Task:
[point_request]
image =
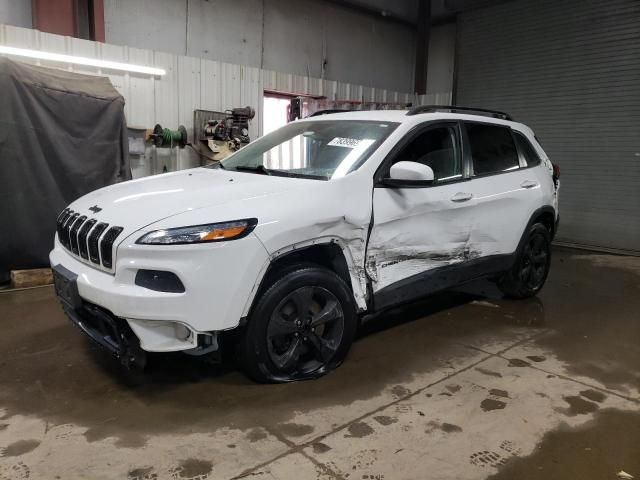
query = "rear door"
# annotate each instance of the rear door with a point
(505, 190)
(416, 231)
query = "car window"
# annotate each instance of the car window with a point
(492, 148)
(530, 155)
(322, 149)
(436, 148)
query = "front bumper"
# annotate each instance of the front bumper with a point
(111, 333)
(219, 280)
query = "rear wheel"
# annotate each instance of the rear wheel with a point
(301, 327)
(530, 270)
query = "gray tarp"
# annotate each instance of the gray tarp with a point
(62, 135)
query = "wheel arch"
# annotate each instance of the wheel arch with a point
(331, 253)
(546, 216)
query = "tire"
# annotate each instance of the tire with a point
(300, 327)
(531, 267)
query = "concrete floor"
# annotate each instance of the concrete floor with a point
(460, 386)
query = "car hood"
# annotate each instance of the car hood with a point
(138, 203)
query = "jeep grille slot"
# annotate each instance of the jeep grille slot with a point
(73, 233)
(67, 229)
(86, 238)
(94, 253)
(106, 246)
(64, 237)
(60, 223)
(82, 238)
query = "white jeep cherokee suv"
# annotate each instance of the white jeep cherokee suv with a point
(293, 238)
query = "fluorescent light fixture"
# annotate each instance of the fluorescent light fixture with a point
(91, 62)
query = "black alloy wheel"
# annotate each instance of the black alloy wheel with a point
(301, 325)
(305, 330)
(531, 266)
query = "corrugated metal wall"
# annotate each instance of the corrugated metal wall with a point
(571, 70)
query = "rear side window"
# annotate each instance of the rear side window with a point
(528, 152)
(492, 148)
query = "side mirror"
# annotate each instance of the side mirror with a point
(409, 174)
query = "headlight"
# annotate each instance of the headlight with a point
(211, 232)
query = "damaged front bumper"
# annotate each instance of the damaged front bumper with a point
(109, 332)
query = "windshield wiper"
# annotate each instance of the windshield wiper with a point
(257, 169)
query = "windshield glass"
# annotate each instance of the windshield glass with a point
(312, 149)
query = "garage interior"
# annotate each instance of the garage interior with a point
(463, 384)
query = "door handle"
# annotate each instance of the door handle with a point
(529, 184)
(461, 197)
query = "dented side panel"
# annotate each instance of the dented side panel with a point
(326, 212)
(416, 230)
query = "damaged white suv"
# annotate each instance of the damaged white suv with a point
(292, 239)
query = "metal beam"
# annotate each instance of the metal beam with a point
(422, 46)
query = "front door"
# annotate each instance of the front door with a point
(417, 231)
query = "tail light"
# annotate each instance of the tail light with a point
(556, 173)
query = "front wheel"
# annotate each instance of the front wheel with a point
(301, 327)
(530, 270)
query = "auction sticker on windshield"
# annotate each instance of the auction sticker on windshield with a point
(345, 142)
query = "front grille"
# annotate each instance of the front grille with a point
(86, 238)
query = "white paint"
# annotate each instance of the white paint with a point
(410, 171)
(414, 230)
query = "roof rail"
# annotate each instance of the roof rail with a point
(455, 108)
(327, 112)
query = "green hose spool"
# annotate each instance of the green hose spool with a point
(165, 137)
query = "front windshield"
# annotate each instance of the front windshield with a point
(312, 149)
